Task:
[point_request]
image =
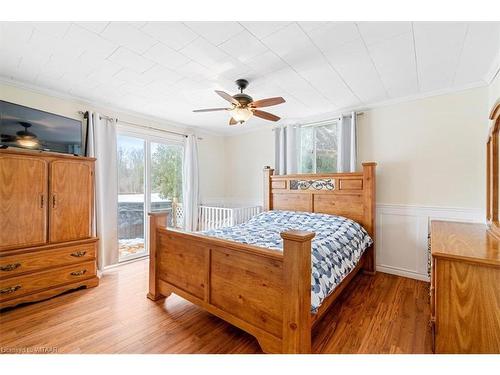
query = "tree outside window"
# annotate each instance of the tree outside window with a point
(166, 171)
(318, 149)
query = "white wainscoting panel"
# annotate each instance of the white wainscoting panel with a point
(402, 232)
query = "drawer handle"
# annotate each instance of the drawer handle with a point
(78, 254)
(10, 289)
(78, 273)
(10, 267)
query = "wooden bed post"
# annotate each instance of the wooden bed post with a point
(297, 291)
(369, 191)
(156, 220)
(268, 172)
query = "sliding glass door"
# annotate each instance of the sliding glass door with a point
(166, 181)
(149, 179)
(131, 203)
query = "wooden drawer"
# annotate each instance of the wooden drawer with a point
(13, 265)
(17, 286)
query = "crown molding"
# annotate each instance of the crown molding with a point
(430, 94)
(493, 71)
(249, 130)
(163, 123)
(366, 107)
(169, 125)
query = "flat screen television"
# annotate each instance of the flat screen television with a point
(33, 129)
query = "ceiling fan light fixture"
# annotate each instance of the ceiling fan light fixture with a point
(25, 138)
(28, 142)
(244, 107)
(241, 114)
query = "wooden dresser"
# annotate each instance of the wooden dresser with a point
(465, 288)
(46, 212)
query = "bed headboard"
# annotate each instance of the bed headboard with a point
(345, 194)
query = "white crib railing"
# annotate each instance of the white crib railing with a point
(243, 214)
(211, 217)
(214, 217)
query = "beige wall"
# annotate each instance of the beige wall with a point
(430, 152)
(212, 167)
(246, 156)
(211, 148)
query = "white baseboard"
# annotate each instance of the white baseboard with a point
(402, 231)
(402, 272)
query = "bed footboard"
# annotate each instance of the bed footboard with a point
(266, 293)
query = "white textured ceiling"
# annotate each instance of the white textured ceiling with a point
(167, 69)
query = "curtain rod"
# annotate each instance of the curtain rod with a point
(140, 126)
(328, 120)
(151, 128)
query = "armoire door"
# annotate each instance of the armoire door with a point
(70, 200)
(23, 201)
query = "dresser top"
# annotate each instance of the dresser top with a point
(44, 154)
(467, 241)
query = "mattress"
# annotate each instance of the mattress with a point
(336, 249)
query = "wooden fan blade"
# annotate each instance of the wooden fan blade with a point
(266, 115)
(232, 121)
(267, 102)
(211, 109)
(228, 97)
(8, 138)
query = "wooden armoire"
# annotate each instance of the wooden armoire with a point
(46, 212)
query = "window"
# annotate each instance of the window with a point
(149, 179)
(318, 148)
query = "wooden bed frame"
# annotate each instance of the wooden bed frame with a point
(265, 292)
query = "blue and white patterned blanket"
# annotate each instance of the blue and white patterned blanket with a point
(336, 248)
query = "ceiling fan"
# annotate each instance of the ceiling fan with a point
(23, 137)
(243, 106)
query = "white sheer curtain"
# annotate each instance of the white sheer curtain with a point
(286, 139)
(101, 144)
(190, 187)
(347, 143)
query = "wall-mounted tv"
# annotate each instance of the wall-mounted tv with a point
(30, 128)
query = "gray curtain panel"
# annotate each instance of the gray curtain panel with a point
(347, 143)
(190, 187)
(101, 144)
(286, 140)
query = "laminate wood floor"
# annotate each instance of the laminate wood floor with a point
(375, 314)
